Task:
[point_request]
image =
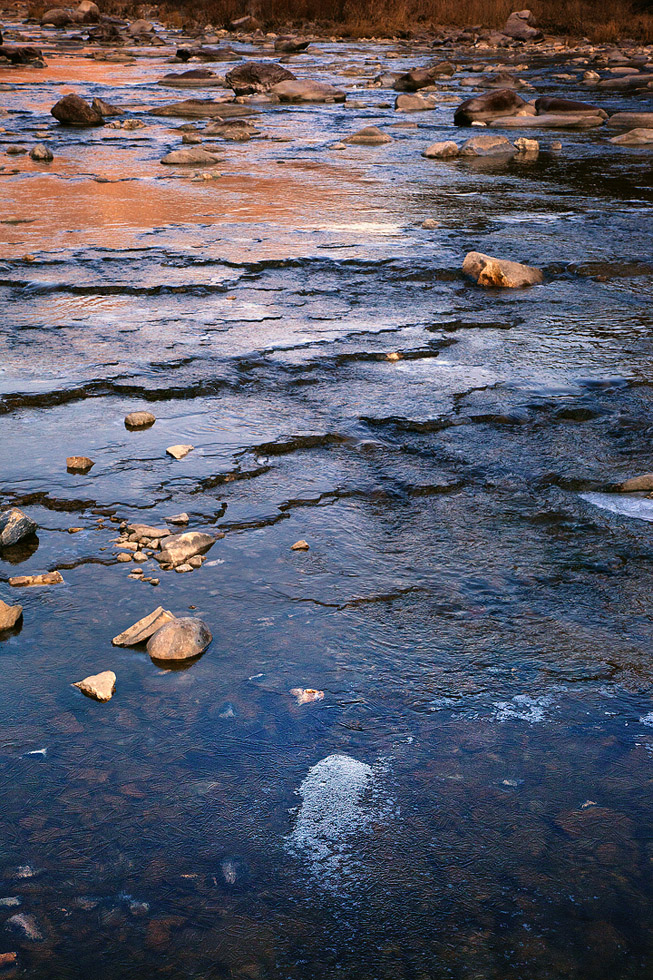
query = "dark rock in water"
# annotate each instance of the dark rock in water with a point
(203, 53)
(195, 78)
(106, 34)
(105, 108)
(257, 76)
(72, 110)
(480, 108)
(551, 104)
(41, 153)
(9, 615)
(14, 527)
(521, 26)
(138, 27)
(290, 45)
(305, 90)
(182, 639)
(419, 78)
(203, 109)
(19, 54)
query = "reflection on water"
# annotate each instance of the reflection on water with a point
(471, 797)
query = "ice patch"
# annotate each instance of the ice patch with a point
(638, 507)
(647, 719)
(339, 803)
(523, 707)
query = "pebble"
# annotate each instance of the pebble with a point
(300, 545)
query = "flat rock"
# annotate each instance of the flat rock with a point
(636, 137)
(487, 145)
(148, 531)
(195, 78)
(644, 482)
(79, 464)
(202, 109)
(139, 420)
(72, 110)
(441, 151)
(9, 615)
(491, 105)
(417, 78)
(307, 91)
(45, 578)
(178, 519)
(180, 547)
(99, 686)
(15, 526)
(631, 120)
(641, 80)
(144, 628)
(414, 103)
(179, 451)
(182, 639)
(562, 120)
(369, 136)
(549, 104)
(190, 156)
(489, 271)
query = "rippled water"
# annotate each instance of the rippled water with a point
(471, 799)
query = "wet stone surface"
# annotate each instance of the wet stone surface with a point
(458, 785)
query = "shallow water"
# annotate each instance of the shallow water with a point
(471, 799)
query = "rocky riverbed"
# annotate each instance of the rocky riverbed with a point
(324, 582)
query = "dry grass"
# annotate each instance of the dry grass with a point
(600, 20)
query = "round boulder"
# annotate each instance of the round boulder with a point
(181, 639)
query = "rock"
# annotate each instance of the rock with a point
(194, 156)
(520, 26)
(180, 547)
(74, 111)
(178, 519)
(202, 109)
(9, 615)
(636, 483)
(307, 91)
(305, 695)
(139, 420)
(15, 526)
(58, 17)
(123, 557)
(182, 639)
(441, 151)
(41, 153)
(549, 105)
(195, 78)
(186, 567)
(79, 464)
(419, 78)
(26, 925)
(369, 136)
(8, 961)
(141, 26)
(15, 150)
(414, 103)
(179, 451)
(487, 145)
(636, 137)
(146, 531)
(290, 45)
(144, 628)
(491, 105)
(489, 271)
(638, 81)
(247, 23)
(527, 148)
(562, 120)
(556, 146)
(105, 108)
(208, 54)
(46, 578)
(257, 76)
(631, 120)
(89, 11)
(429, 224)
(234, 129)
(300, 545)
(98, 686)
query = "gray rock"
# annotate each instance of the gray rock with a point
(636, 137)
(178, 548)
(182, 639)
(487, 145)
(369, 136)
(41, 153)
(14, 527)
(9, 615)
(441, 151)
(192, 156)
(202, 109)
(414, 103)
(637, 483)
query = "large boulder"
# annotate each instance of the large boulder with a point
(549, 104)
(307, 91)
(89, 11)
(20, 54)
(491, 105)
(290, 45)
(637, 483)
(641, 80)
(205, 53)
(488, 145)
(59, 17)
(550, 120)
(72, 110)
(182, 639)
(15, 527)
(521, 26)
(257, 76)
(178, 548)
(488, 271)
